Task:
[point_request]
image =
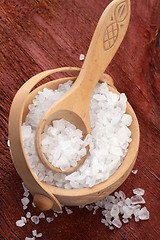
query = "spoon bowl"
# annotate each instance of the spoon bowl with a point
(71, 117)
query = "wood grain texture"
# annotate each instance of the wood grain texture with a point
(39, 35)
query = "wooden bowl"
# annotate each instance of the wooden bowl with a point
(45, 195)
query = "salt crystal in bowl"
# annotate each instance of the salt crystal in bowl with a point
(45, 195)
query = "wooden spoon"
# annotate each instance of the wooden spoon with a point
(74, 104)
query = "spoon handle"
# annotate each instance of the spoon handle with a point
(107, 38)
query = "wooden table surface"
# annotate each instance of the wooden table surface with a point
(36, 35)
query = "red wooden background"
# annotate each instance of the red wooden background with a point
(37, 35)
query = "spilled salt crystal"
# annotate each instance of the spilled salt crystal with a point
(134, 171)
(115, 210)
(25, 201)
(117, 223)
(26, 194)
(81, 57)
(89, 207)
(24, 187)
(49, 219)
(28, 215)
(24, 219)
(34, 232)
(33, 205)
(8, 143)
(39, 235)
(20, 223)
(69, 211)
(35, 219)
(41, 215)
(137, 199)
(138, 191)
(144, 214)
(125, 220)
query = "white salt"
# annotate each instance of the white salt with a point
(118, 206)
(134, 171)
(49, 219)
(26, 194)
(28, 215)
(108, 143)
(25, 201)
(81, 57)
(69, 211)
(138, 191)
(137, 199)
(24, 187)
(34, 232)
(20, 223)
(125, 220)
(144, 214)
(89, 207)
(39, 235)
(28, 238)
(33, 204)
(127, 211)
(115, 210)
(35, 219)
(8, 143)
(41, 215)
(117, 223)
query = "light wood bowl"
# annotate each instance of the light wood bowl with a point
(45, 195)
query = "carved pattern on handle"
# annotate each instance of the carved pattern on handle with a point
(112, 30)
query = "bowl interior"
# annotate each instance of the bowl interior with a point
(102, 189)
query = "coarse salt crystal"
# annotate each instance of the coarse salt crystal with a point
(26, 194)
(34, 232)
(81, 57)
(117, 223)
(69, 211)
(35, 219)
(25, 201)
(8, 143)
(49, 219)
(33, 204)
(138, 191)
(144, 214)
(115, 210)
(20, 223)
(125, 220)
(41, 215)
(137, 199)
(28, 215)
(134, 171)
(24, 187)
(39, 235)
